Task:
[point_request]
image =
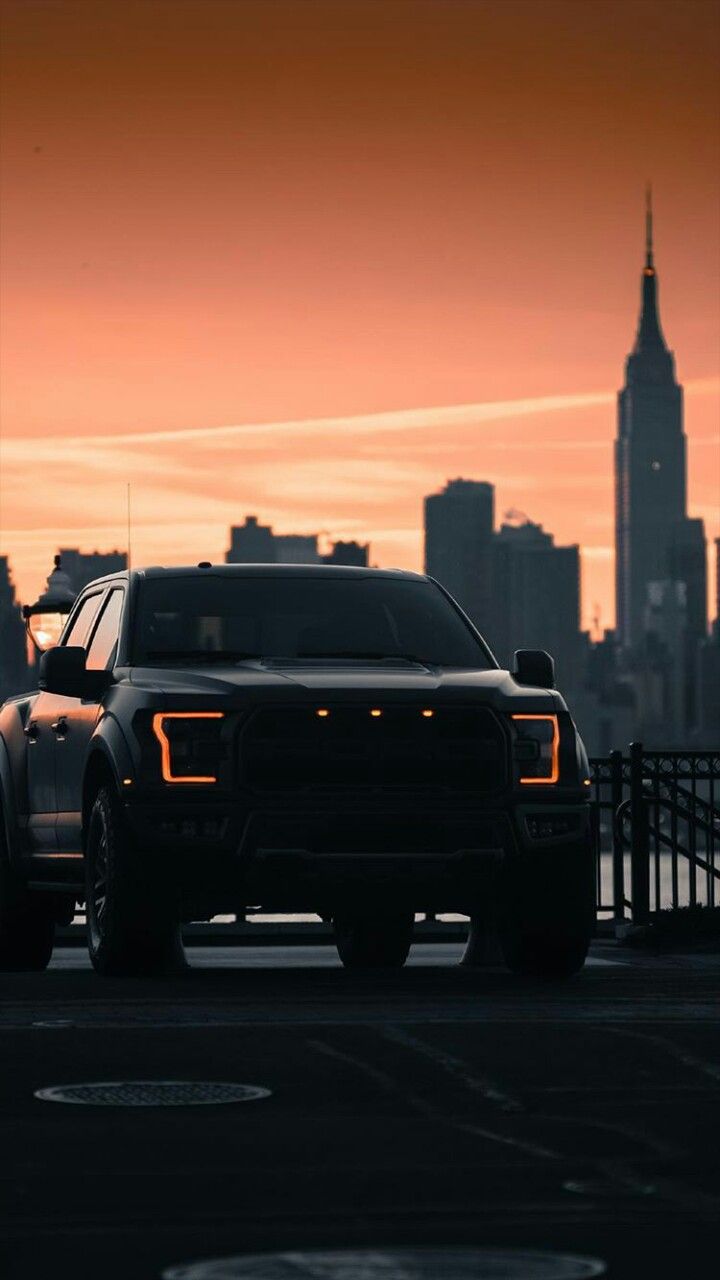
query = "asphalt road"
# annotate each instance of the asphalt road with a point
(435, 1107)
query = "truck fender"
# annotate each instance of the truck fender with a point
(108, 754)
(8, 808)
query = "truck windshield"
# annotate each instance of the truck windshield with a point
(231, 618)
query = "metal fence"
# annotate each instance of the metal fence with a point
(656, 835)
(656, 825)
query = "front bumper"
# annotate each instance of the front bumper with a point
(437, 856)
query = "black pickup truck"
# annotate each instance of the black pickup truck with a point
(290, 738)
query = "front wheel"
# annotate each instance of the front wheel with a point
(550, 953)
(132, 925)
(27, 922)
(546, 911)
(373, 941)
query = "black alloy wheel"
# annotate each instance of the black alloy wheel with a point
(373, 940)
(552, 953)
(27, 920)
(132, 920)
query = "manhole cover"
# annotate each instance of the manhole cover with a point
(152, 1093)
(394, 1264)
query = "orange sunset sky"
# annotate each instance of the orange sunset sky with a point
(309, 260)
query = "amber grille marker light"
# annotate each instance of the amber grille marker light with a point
(555, 750)
(375, 712)
(428, 714)
(323, 713)
(158, 722)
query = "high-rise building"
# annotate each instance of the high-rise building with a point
(251, 543)
(660, 675)
(254, 543)
(13, 639)
(707, 717)
(536, 590)
(353, 553)
(458, 535)
(296, 548)
(652, 540)
(687, 563)
(82, 567)
(687, 566)
(605, 707)
(716, 622)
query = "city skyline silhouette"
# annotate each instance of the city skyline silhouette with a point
(226, 295)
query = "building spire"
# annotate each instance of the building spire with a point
(648, 227)
(649, 338)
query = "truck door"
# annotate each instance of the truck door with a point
(40, 751)
(41, 732)
(79, 717)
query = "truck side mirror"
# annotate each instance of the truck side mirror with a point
(534, 666)
(63, 670)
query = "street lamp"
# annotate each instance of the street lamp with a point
(45, 618)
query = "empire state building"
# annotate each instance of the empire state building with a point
(654, 540)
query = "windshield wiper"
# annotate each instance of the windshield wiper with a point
(372, 657)
(237, 655)
(200, 655)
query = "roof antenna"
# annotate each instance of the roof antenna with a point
(129, 530)
(648, 226)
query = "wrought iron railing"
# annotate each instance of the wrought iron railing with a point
(656, 836)
(656, 825)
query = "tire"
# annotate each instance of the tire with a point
(373, 942)
(482, 949)
(133, 926)
(27, 921)
(551, 954)
(546, 911)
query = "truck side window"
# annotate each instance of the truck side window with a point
(104, 641)
(83, 620)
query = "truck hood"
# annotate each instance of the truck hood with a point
(265, 682)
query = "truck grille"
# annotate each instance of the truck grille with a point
(296, 749)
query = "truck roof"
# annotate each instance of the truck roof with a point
(259, 571)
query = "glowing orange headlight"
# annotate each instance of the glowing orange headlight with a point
(545, 731)
(158, 724)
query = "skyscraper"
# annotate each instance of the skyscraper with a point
(297, 548)
(251, 543)
(82, 567)
(355, 553)
(687, 562)
(708, 681)
(650, 467)
(13, 644)
(537, 598)
(458, 536)
(716, 625)
(254, 543)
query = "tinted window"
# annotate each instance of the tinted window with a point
(104, 640)
(81, 624)
(296, 617)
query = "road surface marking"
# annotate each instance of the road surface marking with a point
(687, 1059)
(455, 1067)
(426, 1108)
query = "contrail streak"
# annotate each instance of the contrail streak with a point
(422, 419)
(362, 423)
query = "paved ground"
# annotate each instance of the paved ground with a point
(433, 1107)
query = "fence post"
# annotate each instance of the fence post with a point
(640, 837)
(618, 863)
